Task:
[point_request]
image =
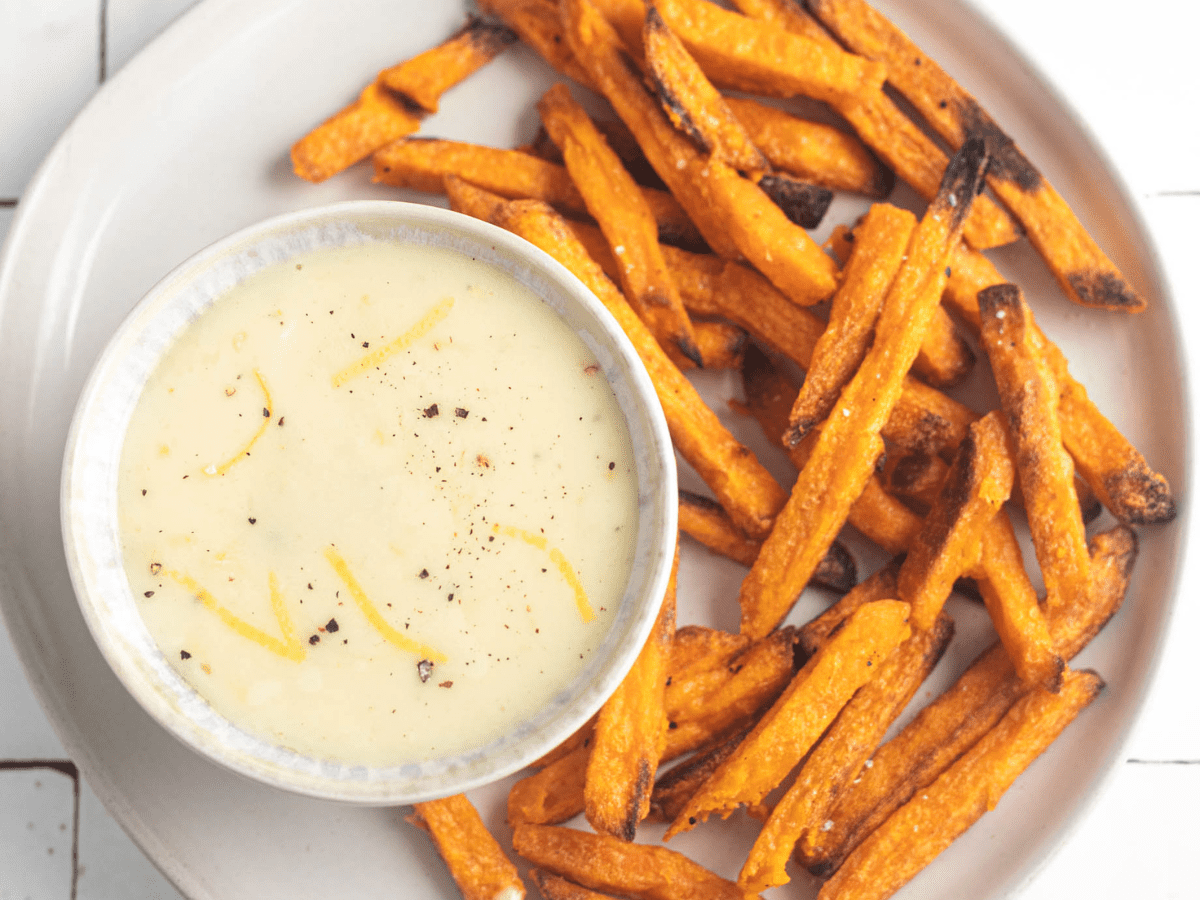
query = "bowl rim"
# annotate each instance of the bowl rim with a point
(242, 752)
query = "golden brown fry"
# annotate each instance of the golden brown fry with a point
(930, 821)
(721, 346)
(552, 887)
(1086, 275)
(1013, 606)
(881, 585)
(849, 444)
(422, 164)
(744, 488)
(673, 790)
(812, 151)
(628, 740)
(879, 245)
(948, 545)
(605, 863)
(1028, 394)
(376, 118)
(554, 793)
(915, 478)
(955, 720)
(1113, 468)
(423, 79)
(619, 206)
(478, 865)
(843, 750)
(693, 105)
(797, 719)
(697, 650)
(891, 134)
(733, 214)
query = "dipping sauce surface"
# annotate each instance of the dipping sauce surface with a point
(378, 503)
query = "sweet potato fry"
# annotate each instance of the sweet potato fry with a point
(879, 245)
(849, 445)
(721, 345)
(625, 218)
(743, 487)
(421, 164)
(733, 214)
(605, 863)
(891, 134)
(797, 719)
(812, 151)
(955, 720)
(552, 887)
(881, 585)
(1013, 606)
(628, 740)
(930, 821)
(949, 543)
(693, 105)
(376, 118)
(479, 866)
(1086, 275)
(848, 743)
(915, 478)
(554, 793)
(537, 24)
(423, 79)
(673, 790)
(705, 521)
(769, 396)
(1113, 468)
(1028, 395)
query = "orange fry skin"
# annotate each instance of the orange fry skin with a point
(797, 719)
(1085, 274)
(376, 118)
(842, 751)
(930, 821)
(619, 206)
(537, 24)
(629, 736)
(849, 444)
(476, 861)
(1028, 394)
(423, 79)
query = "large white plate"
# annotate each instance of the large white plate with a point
(188, 143)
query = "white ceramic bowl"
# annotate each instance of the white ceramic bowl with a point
(93, 543)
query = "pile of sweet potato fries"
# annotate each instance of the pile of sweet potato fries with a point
(687, 212)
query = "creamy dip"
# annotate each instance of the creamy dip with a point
(378, 503)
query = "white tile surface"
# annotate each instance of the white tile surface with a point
(1130, 74)
(49, 62)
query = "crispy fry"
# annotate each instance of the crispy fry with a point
(697, 650)
(618, 204)
(769, 396)
(849, 445)
(479, 866)
(743, 487)
(812, 151)
(605, 863)
(915, 478)
(537, 23)
(1113, 468)
(554, 793)
(948, 545)
(628, 740)
(619, 138)
(848, 743)
(673, 790)
(705, 521)
(693, 105)
(881, 585)
(552, 887)
(422, 164)
(892, 135)
(956, 719)
(1013, 606)
(1086, 275)
(722, 345)
(423, 79)
(733, 214)
(930, 821)
(879, 246)
(797, 719)
(376, 118)
(1028, 395)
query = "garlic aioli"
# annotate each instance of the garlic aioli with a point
(378, 503)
